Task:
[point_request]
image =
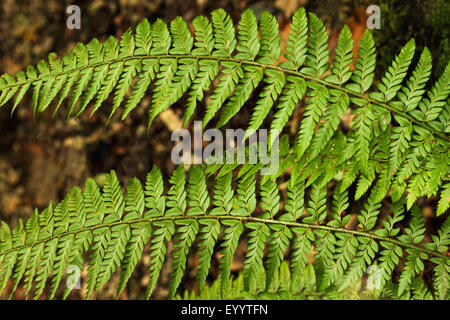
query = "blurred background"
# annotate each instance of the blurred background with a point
(41, 159)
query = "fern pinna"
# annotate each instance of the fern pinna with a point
(397, 147)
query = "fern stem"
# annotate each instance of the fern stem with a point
(239, 218)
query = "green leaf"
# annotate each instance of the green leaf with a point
(316, 62)
(393, 78)
(342, 58)
(275, 82)
(184, 239)
(224, 34)
(248, 42)
(315, 106)
(365, 64)
(297, 40)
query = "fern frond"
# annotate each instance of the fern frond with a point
(35, 252)
(118, 239)
(99, 69)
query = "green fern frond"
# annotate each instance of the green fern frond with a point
(118, 63)
(113, 229)
(179, 63)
